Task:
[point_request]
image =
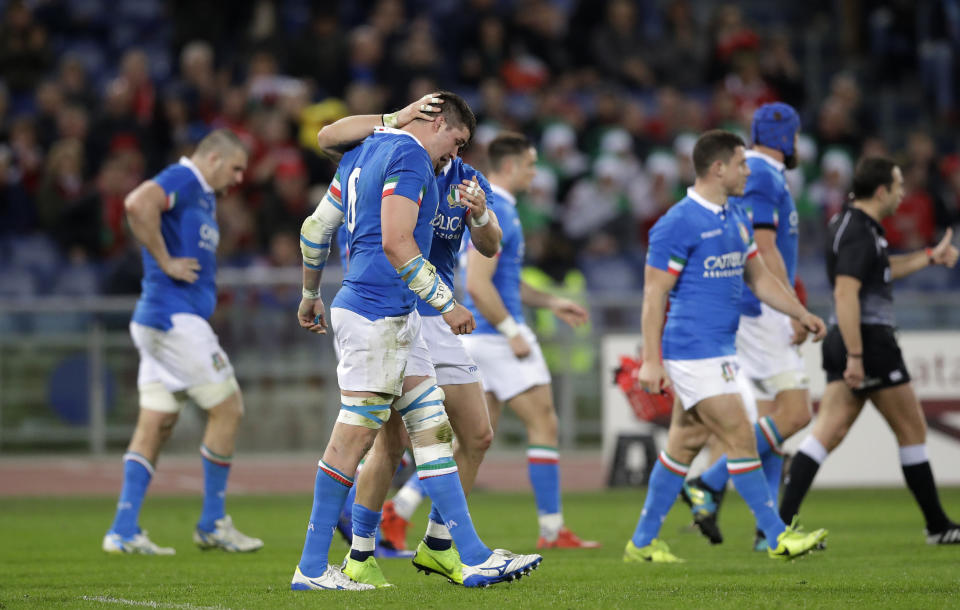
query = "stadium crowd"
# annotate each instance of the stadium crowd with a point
(97, 96)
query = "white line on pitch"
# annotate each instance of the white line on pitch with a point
(146, 604)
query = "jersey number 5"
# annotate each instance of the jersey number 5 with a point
(350, 198)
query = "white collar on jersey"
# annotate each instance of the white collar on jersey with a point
(716, 209)
(502, 192)
(399, 132)
(777, 165)
(446, 168)
(186, 162)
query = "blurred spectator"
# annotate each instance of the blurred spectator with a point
(27, 153)
(17, 214)
(24, 52)
(64, 210)
(73, 81)
(782, 70)
(320, 52)
(832, 191)
(681, 51)
(914, 224)
(729, 36)
(619, 52)
(49, 97)
(486, 50)
(286, 204)
(198, 81)
(135, 73)
(598, 202)
(117, 128)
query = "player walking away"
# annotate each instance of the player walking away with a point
(462, 199)
(389, 198)
(767, 340)
(860, 354)
(174, 217)
(699, 251)
(511, 364)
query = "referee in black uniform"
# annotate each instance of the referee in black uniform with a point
(860, 353)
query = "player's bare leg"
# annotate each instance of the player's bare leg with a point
(535, 408)
(215, 528)
(467, 410)
(900, 407)
(151, 433)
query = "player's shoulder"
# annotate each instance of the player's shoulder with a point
(762, 174)
(176, 177)
(678, 220)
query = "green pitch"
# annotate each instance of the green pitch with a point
(50, 557)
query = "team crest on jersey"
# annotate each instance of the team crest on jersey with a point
(728, 370)
(744, 234)
(453, 197)
(218, 362)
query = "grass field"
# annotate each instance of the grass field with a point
(50, 557)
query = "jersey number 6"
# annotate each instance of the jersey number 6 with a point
(351, 198)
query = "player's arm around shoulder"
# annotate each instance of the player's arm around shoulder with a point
(340, 136)
(144, 206)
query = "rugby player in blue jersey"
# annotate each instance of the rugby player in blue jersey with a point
(767, 340)
(511, 363)
(174, 217)
(388, 200)
(462, 190)
(700, 253)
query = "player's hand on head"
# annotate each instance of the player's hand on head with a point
(472, 195)
(800, 332)
(945, 253)
(426, 108)
(182, 268)
(460, 320)
(519, 346)
(311, 316)
(814, 325)
(570, 312)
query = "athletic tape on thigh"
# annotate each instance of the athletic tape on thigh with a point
(422, 410)
(156, 397)
(209, 395)
(367, 411)
(788, 380)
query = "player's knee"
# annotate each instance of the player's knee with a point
(364, 411)
(476, 442)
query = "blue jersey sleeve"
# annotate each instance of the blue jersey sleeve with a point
(670, 244)
(173, 180)
(407, 174)
(759, 199)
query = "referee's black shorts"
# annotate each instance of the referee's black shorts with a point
(883, 364)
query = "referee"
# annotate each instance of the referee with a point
(860, 353)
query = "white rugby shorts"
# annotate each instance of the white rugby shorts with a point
(695, 380)
(375, 355)
(500, 370)
(769, 360)
(187, 357)
(453, 364)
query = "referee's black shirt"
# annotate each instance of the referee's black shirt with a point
(857, 248)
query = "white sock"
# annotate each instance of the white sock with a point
(912, 455)
(436, 530)
(364, 545)
(550, 525)
(406, 502)
(812, 447)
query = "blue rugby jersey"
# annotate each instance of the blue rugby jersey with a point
(389, 162)
(768, 204)
(506, 278)
(706, 246)
(450, 222)
(189, 228)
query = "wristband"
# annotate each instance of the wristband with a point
(481, 220)
(389, 120)
(929, 253)
(508, 327)
(311, 294)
